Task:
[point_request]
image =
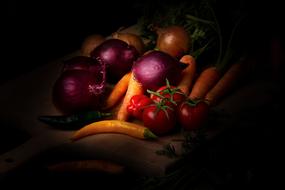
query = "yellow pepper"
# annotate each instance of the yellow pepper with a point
(114, 126)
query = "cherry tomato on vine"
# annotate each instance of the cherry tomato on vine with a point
(173, 94)
(159, 119)
(192, 114)
(137, 104)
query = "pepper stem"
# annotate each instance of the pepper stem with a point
(148, 134)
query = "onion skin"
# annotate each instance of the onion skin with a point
(90, 43)
(131, 39)
(153, 68)
(76, 90)
(118, 57)
(94, 66)
(173, 40)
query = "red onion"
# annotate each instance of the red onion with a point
(77, 90)
(85, 63)
(118, 57)
(152, 70)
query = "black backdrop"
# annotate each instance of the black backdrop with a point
(37, 32)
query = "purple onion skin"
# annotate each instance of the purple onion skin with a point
(76, 90)
(84, 63)
(118, 57)
(152, 70)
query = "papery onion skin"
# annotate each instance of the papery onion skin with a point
(153, 68)
(85, 63)
(131, 39)
(118, 57)
(90, 43)
(173, 40)
(76, 90)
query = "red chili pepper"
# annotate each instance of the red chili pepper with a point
(137, 105)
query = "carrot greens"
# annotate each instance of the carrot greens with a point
(212, 38)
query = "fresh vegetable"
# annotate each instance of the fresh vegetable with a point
(137, 104)
(118, 57)
(225, 84)
(95, 66)
(87, 166)
(205, 81)
(77, 90)
(214, 39)
(90, 43)
(188, 74)
(153, 68)
(170, 94)
(118, 91)
(74, 121)
(134, 88)
(195, 17)
(131, 39)
(114, 126)
(192, 114)
(159, 118)
(173, 40)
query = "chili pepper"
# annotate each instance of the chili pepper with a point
(73, 121)
(137, 104)
(114, 126)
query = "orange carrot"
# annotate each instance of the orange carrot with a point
(118, 91)
(134, 88)
(187, 74)
(206, 80)
(225, 84)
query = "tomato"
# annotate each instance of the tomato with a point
(172, 93)
(159, 119)
(191, 115)
(137, 104)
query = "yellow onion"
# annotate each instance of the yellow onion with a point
(131, 39)
(173, 40)
(90, 43)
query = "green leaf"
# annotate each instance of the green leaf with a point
(168, 150)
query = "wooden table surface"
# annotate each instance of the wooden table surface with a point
(25, 98)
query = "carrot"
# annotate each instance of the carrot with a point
(205, 81)
(225, 84)
(187, 74)
(134, 88)
(118, 91)
(114, 126)
(87, 165)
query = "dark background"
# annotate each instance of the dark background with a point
(36, 32)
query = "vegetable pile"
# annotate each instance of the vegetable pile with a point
(165, 79)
